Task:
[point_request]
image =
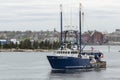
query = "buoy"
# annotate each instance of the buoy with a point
(102, 55)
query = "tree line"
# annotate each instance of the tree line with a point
(28, 44)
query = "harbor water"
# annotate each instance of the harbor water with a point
(34, 66)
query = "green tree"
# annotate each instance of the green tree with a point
(55, 44)
(41, 44)
(48, 45)
(35, 45)
(16, 45)
(0, 44)
(21, 45)
(27, 44)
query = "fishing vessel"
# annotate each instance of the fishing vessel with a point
(71, 55)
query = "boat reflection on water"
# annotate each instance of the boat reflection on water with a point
(69, 71)
(77, 74)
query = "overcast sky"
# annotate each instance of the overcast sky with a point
(36, 15)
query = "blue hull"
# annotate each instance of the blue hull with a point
(63, 62)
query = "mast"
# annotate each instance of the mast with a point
(61, 26)
(80, 27)
(82, 20)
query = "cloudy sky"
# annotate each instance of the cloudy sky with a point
(36, 15)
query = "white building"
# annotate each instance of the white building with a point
(15, 41)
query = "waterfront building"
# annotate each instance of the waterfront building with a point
(114, 36)
(3, 41)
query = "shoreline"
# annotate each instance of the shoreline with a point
(41, 50)
(25, 50)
